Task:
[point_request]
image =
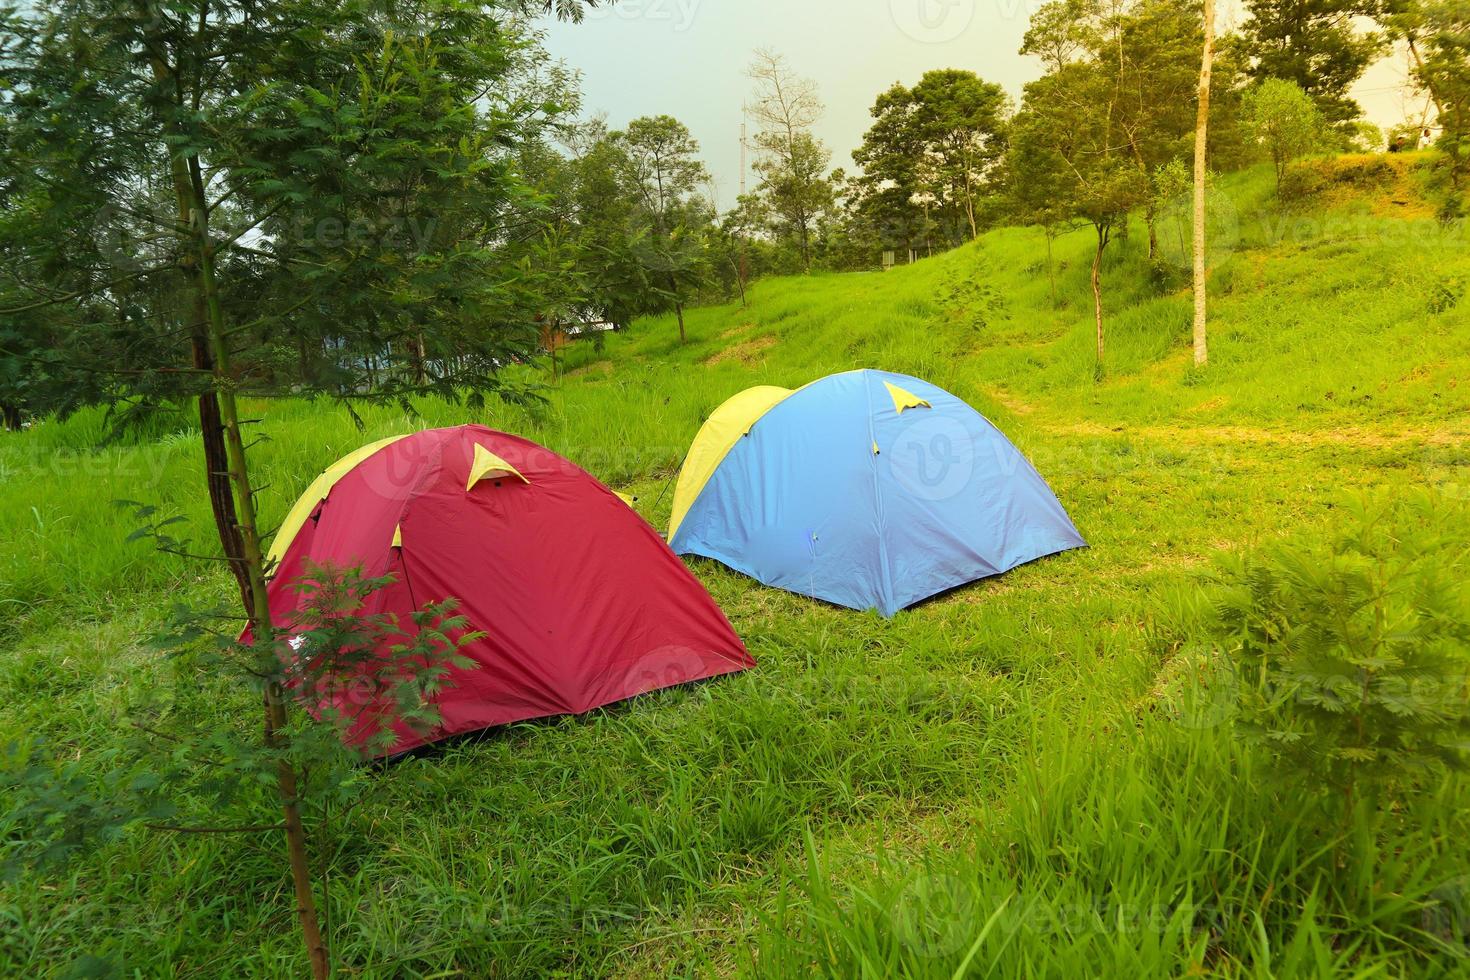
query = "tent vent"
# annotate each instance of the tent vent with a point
(904, 399)
(487, 465)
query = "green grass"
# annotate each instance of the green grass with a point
(877, 792)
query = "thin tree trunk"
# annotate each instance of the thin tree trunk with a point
(11, 415)
(417, 357)
(1102, 243)
(216, 464)
(1419, 64)
(253, 562)
(678, 306)
(740, 278)
(216, 461)
(1201, 127)
(970, 204)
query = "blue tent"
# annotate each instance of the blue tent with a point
(867, 489)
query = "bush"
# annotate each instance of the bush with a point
(1283, 120)
(1352, 648)
(1300, 182)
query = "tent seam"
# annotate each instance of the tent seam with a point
(883, 569)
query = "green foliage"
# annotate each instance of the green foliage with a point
(1114, 106)
(1284, 121)
(352, 680)
(1441, 29)
(1353, 648)
(57, 809)
(1364, 137)
(934, 146)
(662, 173)
(329, 184)
(1314, 45)
(357, 672)
(790, 161)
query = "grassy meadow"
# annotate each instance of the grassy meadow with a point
(998, 782)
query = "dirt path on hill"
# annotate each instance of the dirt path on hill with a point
(1438, 435)
(1452, 433)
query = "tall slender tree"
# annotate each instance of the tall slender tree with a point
(663, 173)
(791, 162)
(1201, 174)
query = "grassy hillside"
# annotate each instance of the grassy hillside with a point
(877, 791)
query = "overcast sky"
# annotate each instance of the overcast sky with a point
(687, 58)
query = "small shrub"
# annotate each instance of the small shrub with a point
(1444, 294)
(1366, 171)
(972, 301)
(1299, 182)
(1353, 647)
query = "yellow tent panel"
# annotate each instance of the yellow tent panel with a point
(301, 511)
(904, 399)
(488, 466)
(716, 437)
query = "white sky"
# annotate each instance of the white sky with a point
(687, 58)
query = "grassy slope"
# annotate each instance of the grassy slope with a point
(997, 739)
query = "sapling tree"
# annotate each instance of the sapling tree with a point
(1116, 103)
(1060, 136)
(1353, 649)
(346, 684)
(790, 161)
(663, 175)
(218, 200)
(1283, 121)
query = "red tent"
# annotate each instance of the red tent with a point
(581, 601)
